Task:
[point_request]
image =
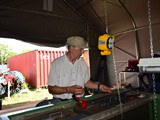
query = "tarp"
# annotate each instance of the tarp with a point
(50, 22)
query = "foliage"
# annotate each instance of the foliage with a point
(5, 53)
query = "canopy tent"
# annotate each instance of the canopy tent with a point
(50, 22)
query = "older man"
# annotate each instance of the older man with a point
(69, 73)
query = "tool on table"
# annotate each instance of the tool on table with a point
(82, 102)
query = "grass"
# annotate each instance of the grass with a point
(30, 95)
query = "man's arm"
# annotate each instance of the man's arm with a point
(101, 87)
(75, 89)
(57, 90)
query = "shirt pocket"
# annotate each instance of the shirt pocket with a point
(64, 79)
(80, 79)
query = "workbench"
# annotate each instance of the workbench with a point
(100, 106)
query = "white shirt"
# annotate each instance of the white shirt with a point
(63, 73)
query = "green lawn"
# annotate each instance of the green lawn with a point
(25, 97)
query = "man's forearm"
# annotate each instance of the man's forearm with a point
(91, 84)
(57, 90)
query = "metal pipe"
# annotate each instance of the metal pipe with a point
(125, 51)
(134, 26)
(79, 14)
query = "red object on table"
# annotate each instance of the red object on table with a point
(82, 102)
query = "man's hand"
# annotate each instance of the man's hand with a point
(76, 89)
(104, 88)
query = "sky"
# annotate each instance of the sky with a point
(18, 46)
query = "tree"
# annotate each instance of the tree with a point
(5, 53)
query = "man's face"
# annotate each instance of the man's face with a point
(76, 52)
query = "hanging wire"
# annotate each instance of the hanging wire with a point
(150, 29)
(152, 54)
(154, 99)
(117, 82)
(106, 17)
(114, 62)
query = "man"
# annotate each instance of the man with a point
(69, 74)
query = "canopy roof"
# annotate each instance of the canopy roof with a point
(50, 22)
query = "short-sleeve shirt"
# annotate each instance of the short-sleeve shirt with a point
(63, 73)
